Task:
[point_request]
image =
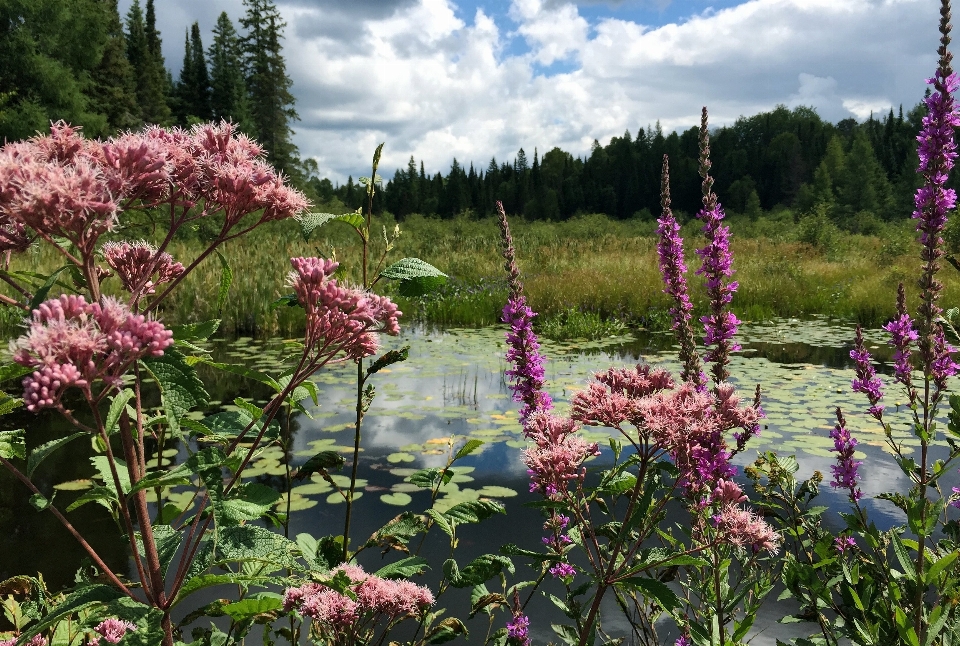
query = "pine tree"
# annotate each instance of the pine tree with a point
(193, 90)
(112, 91)
(228, 97)
(143, 44)
(271, 103)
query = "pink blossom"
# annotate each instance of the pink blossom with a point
(557, 454)
(340, 319)
(136, 262)
(742, 528)
(113, 630)
(70, 342)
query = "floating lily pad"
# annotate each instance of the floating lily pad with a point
(394, 458)
(74, 485)
(494, 491)
(405, 487)
(335, 498)
(398, 499)
(312, 489)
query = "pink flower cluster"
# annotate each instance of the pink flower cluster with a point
(743, 528)
(36, 640)
(70, 342)
(137, 262)
(340, 319)
(376, 598)
(112, 631)
(557, 455)
(63, 185)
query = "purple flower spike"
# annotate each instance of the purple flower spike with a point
(943, 364)
(524, 354)
(721, 324)
(673, 270)
(560, 570)
(518, 630)
(843, 543)
(902, 335)
(845, 474)
(867, 381)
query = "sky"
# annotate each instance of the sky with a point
(475, 79)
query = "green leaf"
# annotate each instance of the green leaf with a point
(415, 276)
(467, 449)
(94, 595)
(41, 294)
(940, 566)
(310, 221)
(441, 522)
(202, 581)
(320, 463)
(652, 588)
(430, 478)
(245, 543)
(102, 464)
(13, 444)
(9, 403)
(446, 630)
(250, 608)
(180, 387)
(195, 331)
(167, 540)
(249, 501)
(481, 569)
(403, 569)
(117, 406)
(400, 529)
(473, 511)
(226, 279)
(10, 371)
(901, 551)
(104, 496)
(288, 300)
(39, 502)
(249, 373)
(43, 451)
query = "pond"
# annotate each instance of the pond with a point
(451, 388)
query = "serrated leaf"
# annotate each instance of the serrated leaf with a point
(9, 403)
(10, 371)
(180, 388)
(446, 630)
(416, 277)
(167, 541)
(13, 444)
(195, 331)
(102, 464)
(441, 521)
(39, 502)
(202, 581)
(467, 449)
(310, 221)
(481, 569)
(94, 595)
(430, 478)
(104, 496)
(251, 543)
(249, 501)
(659, 591)
(389, 358)
(474, 511)
(43, 451)
(403, 569)
(247, 609)
(117, 404)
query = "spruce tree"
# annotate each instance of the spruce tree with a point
(143, 43)
(228, 96)
(193, 90)
(271, 103)
(113, 90)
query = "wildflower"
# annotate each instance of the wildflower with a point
(612, 397)
(843, 543)
(72, 343)
(560, 570)
(902, 335)
(557, 454)
(742, 528)
(113, 630)
(136, 262)
(728, 492)
(845, 474)
(682, 640)
(943, 365)
(867, 381)
(721, 324)
(524, 356)
(518, 629)
(340, 319)
(673, 270)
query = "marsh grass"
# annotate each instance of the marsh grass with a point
(581, 274)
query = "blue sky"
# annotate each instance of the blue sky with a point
(472, 79)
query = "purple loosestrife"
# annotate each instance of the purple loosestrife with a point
(937, 153)
(720, 325)
(673, 270)
(518, 629)
(845, 474)
(523, 347)
(902, 335)
(867, 381)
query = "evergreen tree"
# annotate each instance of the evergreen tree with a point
(271, 103)
(113, 91)
(193, 90)
(228, 96)
(143, 45)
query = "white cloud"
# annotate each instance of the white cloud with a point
(435, 85)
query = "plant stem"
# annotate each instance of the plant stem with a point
(356, 459)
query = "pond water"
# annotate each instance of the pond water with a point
(450, 389)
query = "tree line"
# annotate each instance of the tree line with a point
(858, 174)
(77, 60)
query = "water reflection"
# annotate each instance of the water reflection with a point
(452, 388)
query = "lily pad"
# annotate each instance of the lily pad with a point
(394, 458)
(398, 499)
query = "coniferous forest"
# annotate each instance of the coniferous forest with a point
(81, 61)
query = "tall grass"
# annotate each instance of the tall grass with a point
(592, 265)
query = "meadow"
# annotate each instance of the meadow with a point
(591, 276)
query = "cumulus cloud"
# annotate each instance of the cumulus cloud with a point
(436, 84)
